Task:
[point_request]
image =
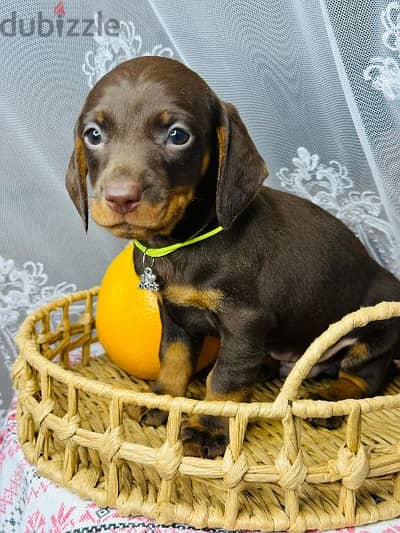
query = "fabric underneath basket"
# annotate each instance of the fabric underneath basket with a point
(30, 503)
(263, 440)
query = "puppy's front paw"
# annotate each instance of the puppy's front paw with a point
(326, 394)
(333, 422)
(154, 417)
(148, 417)
(134, 411)
(205, 436)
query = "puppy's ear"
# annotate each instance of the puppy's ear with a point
(241, 169)
(75, 179)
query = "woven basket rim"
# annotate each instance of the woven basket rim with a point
(276, 409)
(98, 460)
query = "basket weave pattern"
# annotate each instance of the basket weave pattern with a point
(278, 472)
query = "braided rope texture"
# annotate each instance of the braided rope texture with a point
(278, 472)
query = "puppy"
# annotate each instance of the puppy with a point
(168, 160)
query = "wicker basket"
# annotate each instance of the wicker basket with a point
(278, 472)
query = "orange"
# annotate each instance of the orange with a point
(128, 321)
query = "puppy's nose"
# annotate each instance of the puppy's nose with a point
(123, 197)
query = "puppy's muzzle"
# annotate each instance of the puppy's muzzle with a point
(123, 196)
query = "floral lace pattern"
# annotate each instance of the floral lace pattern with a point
(112, 50)
(330, 187)
(384, 72)
(23, 289)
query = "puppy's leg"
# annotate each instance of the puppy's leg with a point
(178, 355)
(363, 369)
(207, 436)
(232, 378)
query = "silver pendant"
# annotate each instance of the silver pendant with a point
(148, 280)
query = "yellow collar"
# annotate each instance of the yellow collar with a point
(160, 252)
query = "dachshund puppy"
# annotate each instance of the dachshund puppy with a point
(168, 160)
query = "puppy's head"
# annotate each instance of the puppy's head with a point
(150, 133)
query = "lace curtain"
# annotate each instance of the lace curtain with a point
(317, 83)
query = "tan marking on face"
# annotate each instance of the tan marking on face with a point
(80, 157)
(176, 369)
(205, 163)
(148, 219)
(128, 232)
(241, 395)
(209, 299)
(164, 218)
(103, 215)
(99, 116)
(165, 118)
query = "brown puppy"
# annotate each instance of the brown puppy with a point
(167, 159)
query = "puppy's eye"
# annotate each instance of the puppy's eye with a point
(178, 136)
(93, 136)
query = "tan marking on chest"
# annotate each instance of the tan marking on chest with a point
(209, 299)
